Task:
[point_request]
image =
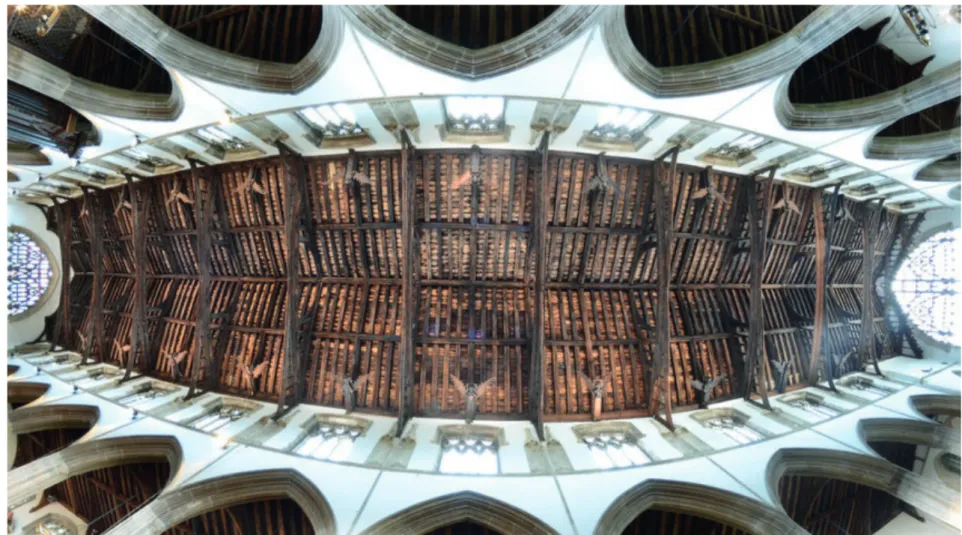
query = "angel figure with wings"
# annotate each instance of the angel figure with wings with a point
(175, 360)
(705, 386)
(471, 392)
(252, 373)
(598, 388)
(349, 388)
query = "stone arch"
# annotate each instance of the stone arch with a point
(916, 432)
(877, 110)
(777, 57)
(175, 50)
(919, 147)
(381, 25)
(462, 506)
(38, 75)
(41, 429)
(944, 170)
(937, 405)
(735, 510)
(185, 503)
(83, 457)
(864, 470)
(20, 393)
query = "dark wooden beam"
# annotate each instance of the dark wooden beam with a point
(203, 209)
(96, 218)
(536, 285)
(138, 332)
(409, 282)
(870, 224)
(658, 391)
(297, 335)
(758, 220)
(65, 227)
(823, 240)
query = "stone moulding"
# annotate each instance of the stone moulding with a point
(26, 393)
(446, 510)
(45, 417)
(26, 157)
(920, 433)
(937, 404)
(82, 457)
(381, 25)
(877, 110)
(929, 496)
(188, 502)
(715, 504)
(921, 147)
(940, 172)
(175, 50)
(816, 32)
(32, 72)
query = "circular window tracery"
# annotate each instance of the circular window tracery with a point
(928, 288)
(29, 272)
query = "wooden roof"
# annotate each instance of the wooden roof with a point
(474, 285)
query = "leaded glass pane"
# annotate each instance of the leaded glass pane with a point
(469, 455)
(733, 429)
(332, 442)
(927, 287)
(615, 449)
(28, 272)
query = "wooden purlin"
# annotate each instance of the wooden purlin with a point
(870, 225)
(94, 207)
(138, 330)
(409, 281)
(758, 220)
(203, 210)
(658, 391)
(536, 287)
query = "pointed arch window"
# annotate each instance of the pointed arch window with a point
(928, 288)
(30, 272)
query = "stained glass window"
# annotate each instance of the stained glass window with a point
(928, 288)
(615, 449)
(29, 272)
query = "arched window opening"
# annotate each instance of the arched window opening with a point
(266, 516)
(106, 496)
(660, 521)
(32, 446)
(826, 506)
(473, 27)
(282, 34)
(901, 454)
(69, 38)
(36, 121)
(29, 272)
(927, 287)
(669, 36)
(848, 69)
(464, 528)
(943, 116)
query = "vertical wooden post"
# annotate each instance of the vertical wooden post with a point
(92, 201)
(409, 290)
(758, 220)
(65, 226)
(823, 249)
(138, 326)
(870, 226)
(539, 231)
(202, 341)
(658, 391)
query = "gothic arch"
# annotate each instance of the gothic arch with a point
(877, 110)
(938, 404)
(777, 57)
(389, 30)
(916, 432)
(466, 505)
(175, 50)
(869, 471)
(44, 417)
(185, 503)
(83, 457)
(722, 506)
(22, 393)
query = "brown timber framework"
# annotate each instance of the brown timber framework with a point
(518, 272)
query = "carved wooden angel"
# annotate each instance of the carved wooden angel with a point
(473, 173)
(601, 180)
(349, 388)
(471, 393)
(121, 349)
(175, 361)
(177, 195)
(251, 373)
(598, 387)
(351, 171)
(705, 386)
(786, 203)
(251, 184)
